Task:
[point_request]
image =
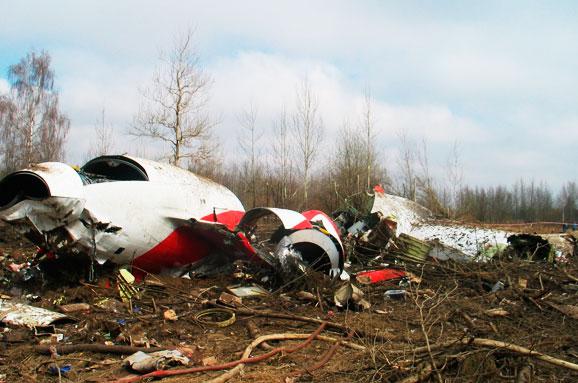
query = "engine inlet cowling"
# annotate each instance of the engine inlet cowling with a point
(40, 181)
(20, 186)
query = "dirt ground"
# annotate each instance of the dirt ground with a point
(450, 327)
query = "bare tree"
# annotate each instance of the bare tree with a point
(282, 161)
(32, 127)
(308, 131)
(568, 202)
(367, 127)
(174, 107)
(104, 141)
(9, 135)
(249, 142)
(349, 162)
(455, 178)
(209, 166)
(407, 182)
(415, 180)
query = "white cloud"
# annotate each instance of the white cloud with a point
(270, 82)
(481, 75)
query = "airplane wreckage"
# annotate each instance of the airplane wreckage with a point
(158, 218)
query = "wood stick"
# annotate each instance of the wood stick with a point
(97, 348)
(482, 342)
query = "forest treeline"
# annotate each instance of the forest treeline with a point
(523, 201)
(296, 165)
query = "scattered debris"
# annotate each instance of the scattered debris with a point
(395, 294)
(497, 313)
(209, 361)
(230, 299)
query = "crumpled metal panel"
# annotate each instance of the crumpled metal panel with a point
(317, 216)
(45, 215)
(408, 213)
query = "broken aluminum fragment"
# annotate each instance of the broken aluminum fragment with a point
(160, 360)
(19, 314)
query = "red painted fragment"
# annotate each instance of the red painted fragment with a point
(379, 189)
(305, 224)
(180, 248)
(310, 214)
(375, 276)
(229, 218)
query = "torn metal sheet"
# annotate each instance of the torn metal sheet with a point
(248, 291)
(453, 241)
(349, 295)
(460, 242)
(444, 252)
(408, 213)
(19, 314)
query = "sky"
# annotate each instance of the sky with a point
(497, 78)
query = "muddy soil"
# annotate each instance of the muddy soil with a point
(430, 334)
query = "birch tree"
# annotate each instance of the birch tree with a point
(174, 107)
(308, 133)
(249, 140)
(104, 137)
(282, 161)
(32, 127)
(367, 128)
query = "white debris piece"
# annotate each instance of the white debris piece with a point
(20, 314)
(471, 241)
(143, 362)
(417, 221)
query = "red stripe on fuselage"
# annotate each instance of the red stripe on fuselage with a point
(180, 248)
(186, 245)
